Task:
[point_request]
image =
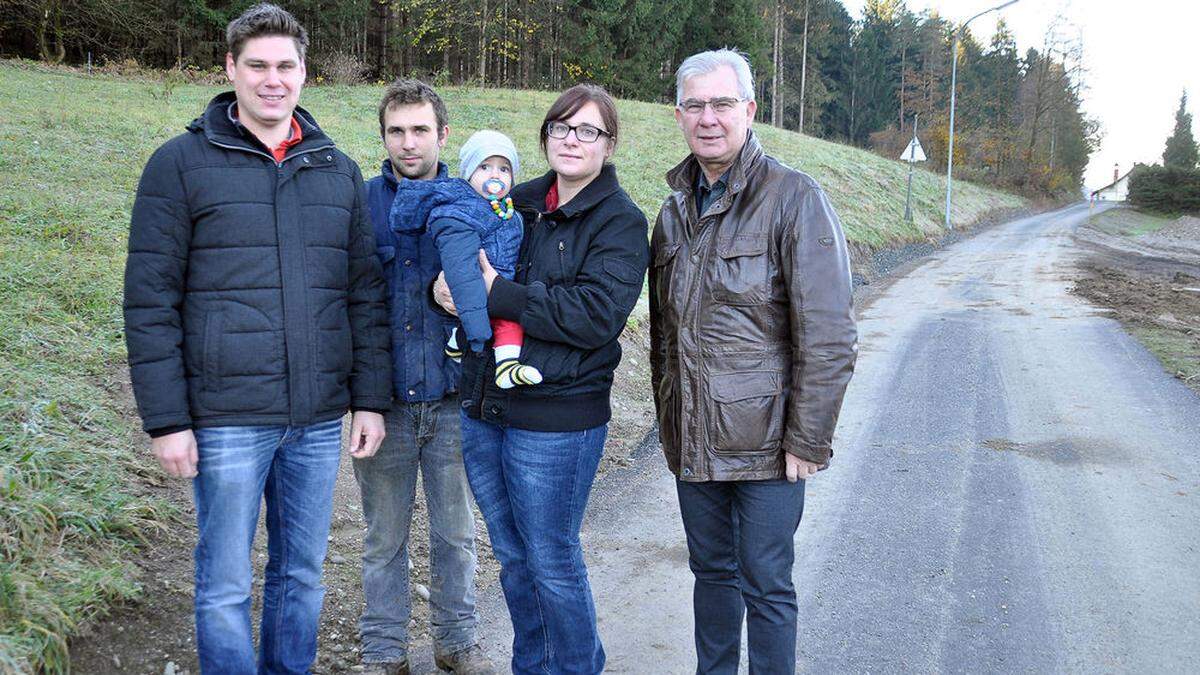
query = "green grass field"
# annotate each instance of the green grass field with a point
(1129, 222)
(76, 479)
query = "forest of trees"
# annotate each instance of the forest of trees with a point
(1018, 123)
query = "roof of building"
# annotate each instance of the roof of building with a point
(1112, 184)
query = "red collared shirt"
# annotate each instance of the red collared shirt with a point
(294, 134)
(293, 138)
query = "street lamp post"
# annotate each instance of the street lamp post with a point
(953, 89)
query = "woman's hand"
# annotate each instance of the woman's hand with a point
(489, 272)
(441, 294)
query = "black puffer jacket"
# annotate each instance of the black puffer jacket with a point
(253, 294)
(578, 277)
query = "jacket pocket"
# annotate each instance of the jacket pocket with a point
(668, 407)
(387, 260)
(244, 370)
(335, 351)
(665, 254)
(661, 269)
(748, 411)
(740, 275)
(558, 363)
(211, 359)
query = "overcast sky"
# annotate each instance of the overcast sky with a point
(1139, 57)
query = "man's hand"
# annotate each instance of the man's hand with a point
(366, 433)
(176, 453)
(799, 469)
(441, 294)
(489, 272)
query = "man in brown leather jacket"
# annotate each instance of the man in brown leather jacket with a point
(753, 343)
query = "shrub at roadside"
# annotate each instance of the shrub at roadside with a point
(1165, 189)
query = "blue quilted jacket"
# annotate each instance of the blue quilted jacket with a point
(420, 369)
(461, 222)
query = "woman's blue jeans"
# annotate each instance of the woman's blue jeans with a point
(295, 469)
(532, 487)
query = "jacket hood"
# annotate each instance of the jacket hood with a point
(219, 126)
(683, 177)
(417, 202)
(531, 195)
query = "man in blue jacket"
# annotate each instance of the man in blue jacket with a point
(254, 318)
(423, 425)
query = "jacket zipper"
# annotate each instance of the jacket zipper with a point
(697, 249)
(277, 166)
(562, 263)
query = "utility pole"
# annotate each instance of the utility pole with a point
(911, 160)
(953, 87)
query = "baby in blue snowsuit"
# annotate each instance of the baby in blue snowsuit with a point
(463, 216)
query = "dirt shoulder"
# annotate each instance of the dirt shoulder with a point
(146, 636)
(1150, 279)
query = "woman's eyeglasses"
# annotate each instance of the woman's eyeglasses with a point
(586, 133)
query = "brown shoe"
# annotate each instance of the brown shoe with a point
(386, 668)
(469, 661)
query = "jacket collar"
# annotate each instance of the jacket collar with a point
(220, 127)
(389, 177)
(683, 177)
(531, 195)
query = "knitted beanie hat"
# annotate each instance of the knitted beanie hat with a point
(484, 144)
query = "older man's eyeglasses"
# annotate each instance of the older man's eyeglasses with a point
(720, 105)
(586, 133)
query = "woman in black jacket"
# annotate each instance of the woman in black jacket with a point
(531, 452)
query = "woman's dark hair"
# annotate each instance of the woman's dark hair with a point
(570, 101)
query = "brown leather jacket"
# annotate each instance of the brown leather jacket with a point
(751, 325)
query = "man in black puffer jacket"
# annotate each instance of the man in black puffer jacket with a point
(254, 318)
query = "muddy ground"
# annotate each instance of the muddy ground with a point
(1151, 283)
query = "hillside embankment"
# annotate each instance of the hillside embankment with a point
(94, 541)
(1146, 269)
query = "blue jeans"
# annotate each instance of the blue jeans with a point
(741, 549)
(532, 487)
(295, 468)
(422, 436)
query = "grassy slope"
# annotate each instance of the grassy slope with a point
(72, 507)
(1129, 222)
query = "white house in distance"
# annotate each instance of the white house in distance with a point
(1116, 191)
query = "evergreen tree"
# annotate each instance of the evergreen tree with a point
(1181, 146)
(875, 77)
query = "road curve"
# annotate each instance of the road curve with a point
(1015, 488)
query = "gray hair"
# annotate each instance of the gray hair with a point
(706, 62)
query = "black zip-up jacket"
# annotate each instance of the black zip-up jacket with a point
(253, 295)
(578, 277)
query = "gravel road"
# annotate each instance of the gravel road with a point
(1015, 488)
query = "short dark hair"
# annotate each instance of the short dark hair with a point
(570, 101)
(411, 92)
(264, 20)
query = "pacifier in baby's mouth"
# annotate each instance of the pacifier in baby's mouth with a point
(502, 207)
(493, 186)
